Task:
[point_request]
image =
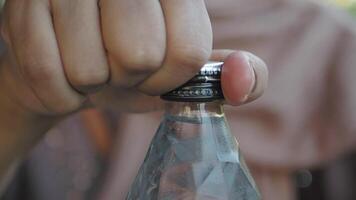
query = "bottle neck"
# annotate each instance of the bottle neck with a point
(195, 109)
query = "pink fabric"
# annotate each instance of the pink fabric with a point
(308, 113)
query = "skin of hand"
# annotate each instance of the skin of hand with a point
(66, 55)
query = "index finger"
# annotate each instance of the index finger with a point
(189, 45)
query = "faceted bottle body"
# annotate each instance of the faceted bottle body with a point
(194, 157)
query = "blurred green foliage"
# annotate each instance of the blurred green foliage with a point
(349, 5)
(352, 8)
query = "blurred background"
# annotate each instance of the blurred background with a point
(349, 5)
(336, 180)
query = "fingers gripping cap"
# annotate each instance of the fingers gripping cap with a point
(203, 87)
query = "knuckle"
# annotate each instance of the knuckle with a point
(87, 80)
(37, 73)
(191, 57)
(143, 61)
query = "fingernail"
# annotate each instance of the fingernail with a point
(239, 78)
(253, 75)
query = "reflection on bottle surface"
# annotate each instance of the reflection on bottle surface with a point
(194, 157)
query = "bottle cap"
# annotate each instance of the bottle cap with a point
(203, 87)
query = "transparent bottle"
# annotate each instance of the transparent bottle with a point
(193, 155)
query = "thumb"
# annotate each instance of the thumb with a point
(244, 76)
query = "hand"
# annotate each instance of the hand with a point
(61, 51)
(64, 55)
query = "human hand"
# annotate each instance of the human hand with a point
(64, 55)
(61, 51)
